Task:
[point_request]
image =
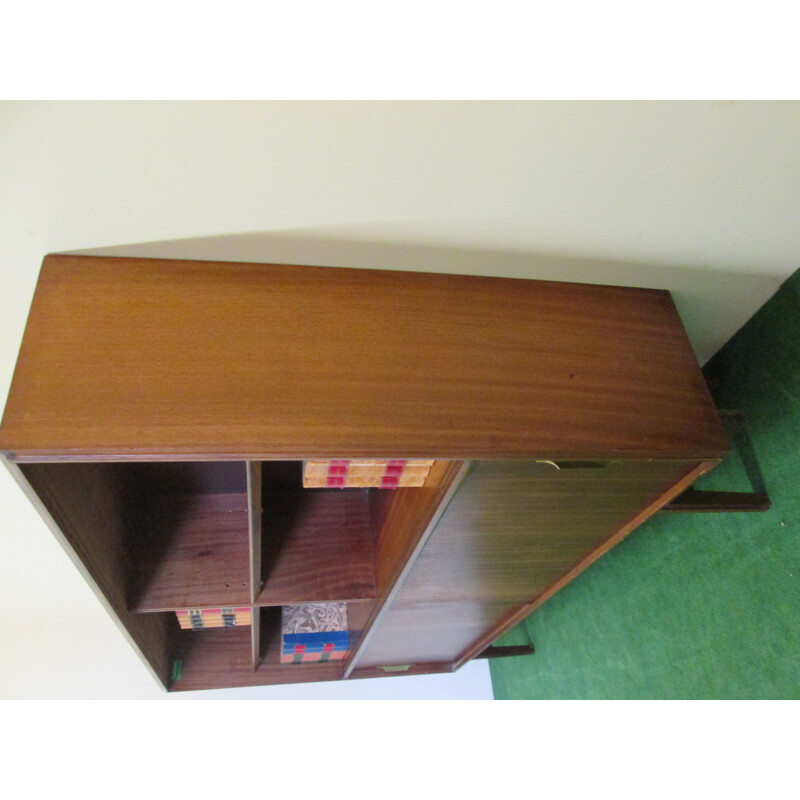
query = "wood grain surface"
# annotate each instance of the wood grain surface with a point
(691, 473)
(85, 507)
(182, 388)
(254, 484)
(318, 545)
(221, 658)
(191, 551)
(414, 632)
(405, 519)
(255, 638)
(150, 359)
(513, 530)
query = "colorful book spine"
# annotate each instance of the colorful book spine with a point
(351, 473)
(314, 632)
(197, 619)
(307, 647)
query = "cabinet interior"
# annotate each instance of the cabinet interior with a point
(169, 536)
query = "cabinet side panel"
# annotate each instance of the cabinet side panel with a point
(513, 530)
(85, 505)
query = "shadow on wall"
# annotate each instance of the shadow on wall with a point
(710, 301)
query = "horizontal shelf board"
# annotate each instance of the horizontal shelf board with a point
(192, 552)
(317, 546)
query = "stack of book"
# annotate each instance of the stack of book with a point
(314, 632)
(350, 473)
(197, 619)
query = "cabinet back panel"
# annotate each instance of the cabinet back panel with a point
(185, 477)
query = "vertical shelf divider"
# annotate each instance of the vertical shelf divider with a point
(254, 509)
(255, 633)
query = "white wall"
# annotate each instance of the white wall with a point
(698, 198)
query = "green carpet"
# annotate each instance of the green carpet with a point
(693, 605)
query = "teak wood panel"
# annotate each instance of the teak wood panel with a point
(416, 632)
(404, 519)
(413, 669)
(86, 507)
(191, 551)
(221, 658)
(520, 613)
(146, 359)
(513, 530)
(254, 525)
(317, 546)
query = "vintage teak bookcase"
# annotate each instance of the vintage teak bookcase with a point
(161, 412)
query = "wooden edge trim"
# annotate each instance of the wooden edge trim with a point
(41, 509)
(255, 636)
(414, 669)
(254, 511)
(515, 616)
(455, 476)
(254, 526)
(101, 454)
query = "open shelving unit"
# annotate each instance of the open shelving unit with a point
(161, 412)
(197, 534)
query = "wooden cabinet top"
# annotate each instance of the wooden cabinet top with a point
(129, 359)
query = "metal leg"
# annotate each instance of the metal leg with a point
(495, 651)
(757, 500)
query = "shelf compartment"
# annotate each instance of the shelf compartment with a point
(314, 632)
(272, 639)
(317, 546)
(268, 643)
(222, 658)
(211, 658)
(193, 552)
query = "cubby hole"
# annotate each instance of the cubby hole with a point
(158, 537)
(271, 636)
(220, 657)
(317, 545)
(189, 546)
(210, 657)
